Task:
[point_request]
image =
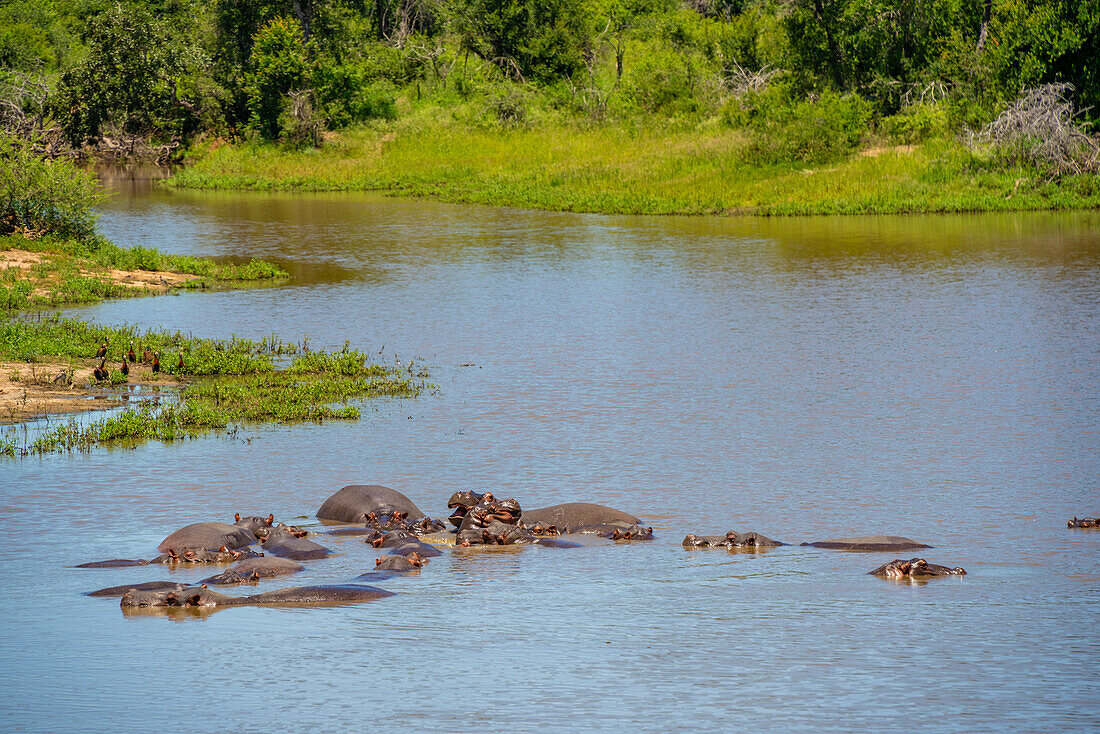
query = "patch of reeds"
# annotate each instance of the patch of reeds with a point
(228, 384)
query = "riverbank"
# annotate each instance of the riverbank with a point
(207, 384)
(55, 271)
(620, 171)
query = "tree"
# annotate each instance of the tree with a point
(277, 66)
(130, 77)
(540, 40)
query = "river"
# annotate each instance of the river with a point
(934, 377)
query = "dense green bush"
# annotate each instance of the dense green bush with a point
(40, 197)
(785, 130)
(917, 123)
(277, 66)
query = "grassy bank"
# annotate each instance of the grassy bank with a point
(616, 170)
(222, 385)
(57, 270)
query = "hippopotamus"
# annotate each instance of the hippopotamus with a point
(254, 569)
(501, 533)
(200, 596)
(411, 562)
(207, 535)
(1084, 522)
(541, 529)
(221, 555)
(415, 546)
(461, 502)
(298, 549)
(402, 543)
(485, 513)
(398, 520)
(614, 532)
(575, 514)
(914, 568)
(354, 502)
(258, 526)
(732, 539)
(268, 566)
(172, 557)
(871, 543)
(147, 586)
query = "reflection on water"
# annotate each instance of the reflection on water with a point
(933, 377)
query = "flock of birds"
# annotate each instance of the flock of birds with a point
(101, 374)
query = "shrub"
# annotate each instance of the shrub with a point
(40, 197)
(917, 123)
(811, 131)
(277, 66)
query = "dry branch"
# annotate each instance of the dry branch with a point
(1041, 128)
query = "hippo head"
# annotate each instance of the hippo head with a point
(461, 502)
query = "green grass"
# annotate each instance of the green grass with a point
(54, 338)
(75, 271)
(614, 170)
(230, 384)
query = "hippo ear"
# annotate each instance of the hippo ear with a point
(223, 549)
(269, 519)
(378, 561)
(487, 497)
(237, 517)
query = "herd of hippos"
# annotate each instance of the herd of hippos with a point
(389, 520)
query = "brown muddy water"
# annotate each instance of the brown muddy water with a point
(934, 377)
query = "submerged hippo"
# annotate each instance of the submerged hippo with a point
(253, 570)
(576, 514)
(870, 543)
(732, 539)
(207, 535)
(914, 568)
(1084, 522)
(147, 586)
(614, 532)
(258, 526)
(354, 502)
(297, 549)
(200, 596)
(411, 562)
(172, 557)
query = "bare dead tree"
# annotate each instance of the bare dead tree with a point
(432, 56)
(1042, 128)
(741, 80)
(303, 126)
(20, 92)
(933, 92)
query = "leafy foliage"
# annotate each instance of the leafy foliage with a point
(39, 197)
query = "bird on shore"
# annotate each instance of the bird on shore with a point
(100, 372)
(102, 350)
(179, 365)
(156, 362)
(131, 356)
(124, 368)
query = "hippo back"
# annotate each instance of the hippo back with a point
(208, 536)
(579, 513)
(352, 503)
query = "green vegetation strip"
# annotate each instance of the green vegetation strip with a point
(620, 171)
(228, 383)
(75, 270)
